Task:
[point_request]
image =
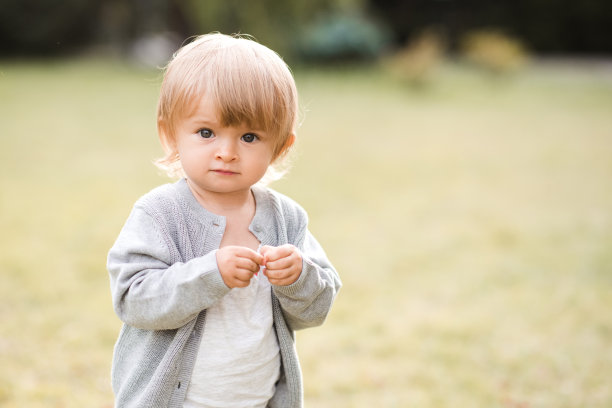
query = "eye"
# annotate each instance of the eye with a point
(206, 133)
(249, 137)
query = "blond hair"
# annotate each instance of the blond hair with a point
(248, 83)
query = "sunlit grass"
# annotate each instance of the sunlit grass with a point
(470, 222)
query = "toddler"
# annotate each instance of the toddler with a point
(211, 275)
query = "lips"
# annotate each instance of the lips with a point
(224, 172)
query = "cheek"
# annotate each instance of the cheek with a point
(189, 157)
(265, 159)
(258, 164)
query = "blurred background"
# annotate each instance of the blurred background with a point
(303, 30)
(455, 158)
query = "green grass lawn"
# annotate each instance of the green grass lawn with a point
(471, 222)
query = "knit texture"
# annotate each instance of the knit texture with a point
(164, 275)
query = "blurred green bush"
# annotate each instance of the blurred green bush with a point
(416, 62)
(341, 37)
(494, 51)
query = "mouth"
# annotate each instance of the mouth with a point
(224, 172)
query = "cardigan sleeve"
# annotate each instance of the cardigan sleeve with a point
(307, 302)
(151, 291)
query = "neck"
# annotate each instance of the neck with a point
(223, 204)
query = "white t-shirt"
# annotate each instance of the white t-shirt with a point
(238, 362)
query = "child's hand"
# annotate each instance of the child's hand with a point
(283, 264)
(237, 265)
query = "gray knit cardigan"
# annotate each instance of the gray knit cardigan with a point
(164, 275)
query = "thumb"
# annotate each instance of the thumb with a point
(266, 251)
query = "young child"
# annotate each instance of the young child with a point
(213, 274)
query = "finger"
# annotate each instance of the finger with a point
(244, 276)
(247, 264)
(284, 278)
(273, 253)
(279, 274)
(237, 283)
(248, 253)
(282, 263)
(237, 280)
(266, 252)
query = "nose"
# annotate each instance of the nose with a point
(226, 150)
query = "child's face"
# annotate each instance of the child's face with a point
(220, 159)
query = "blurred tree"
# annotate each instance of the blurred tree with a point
(272, 22)
(319, 30)
(46, 26)
(34, 27)
(38, 27)
(565, 25)
(553, 26)
(147, 32)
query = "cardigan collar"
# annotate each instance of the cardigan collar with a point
(262, 220)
